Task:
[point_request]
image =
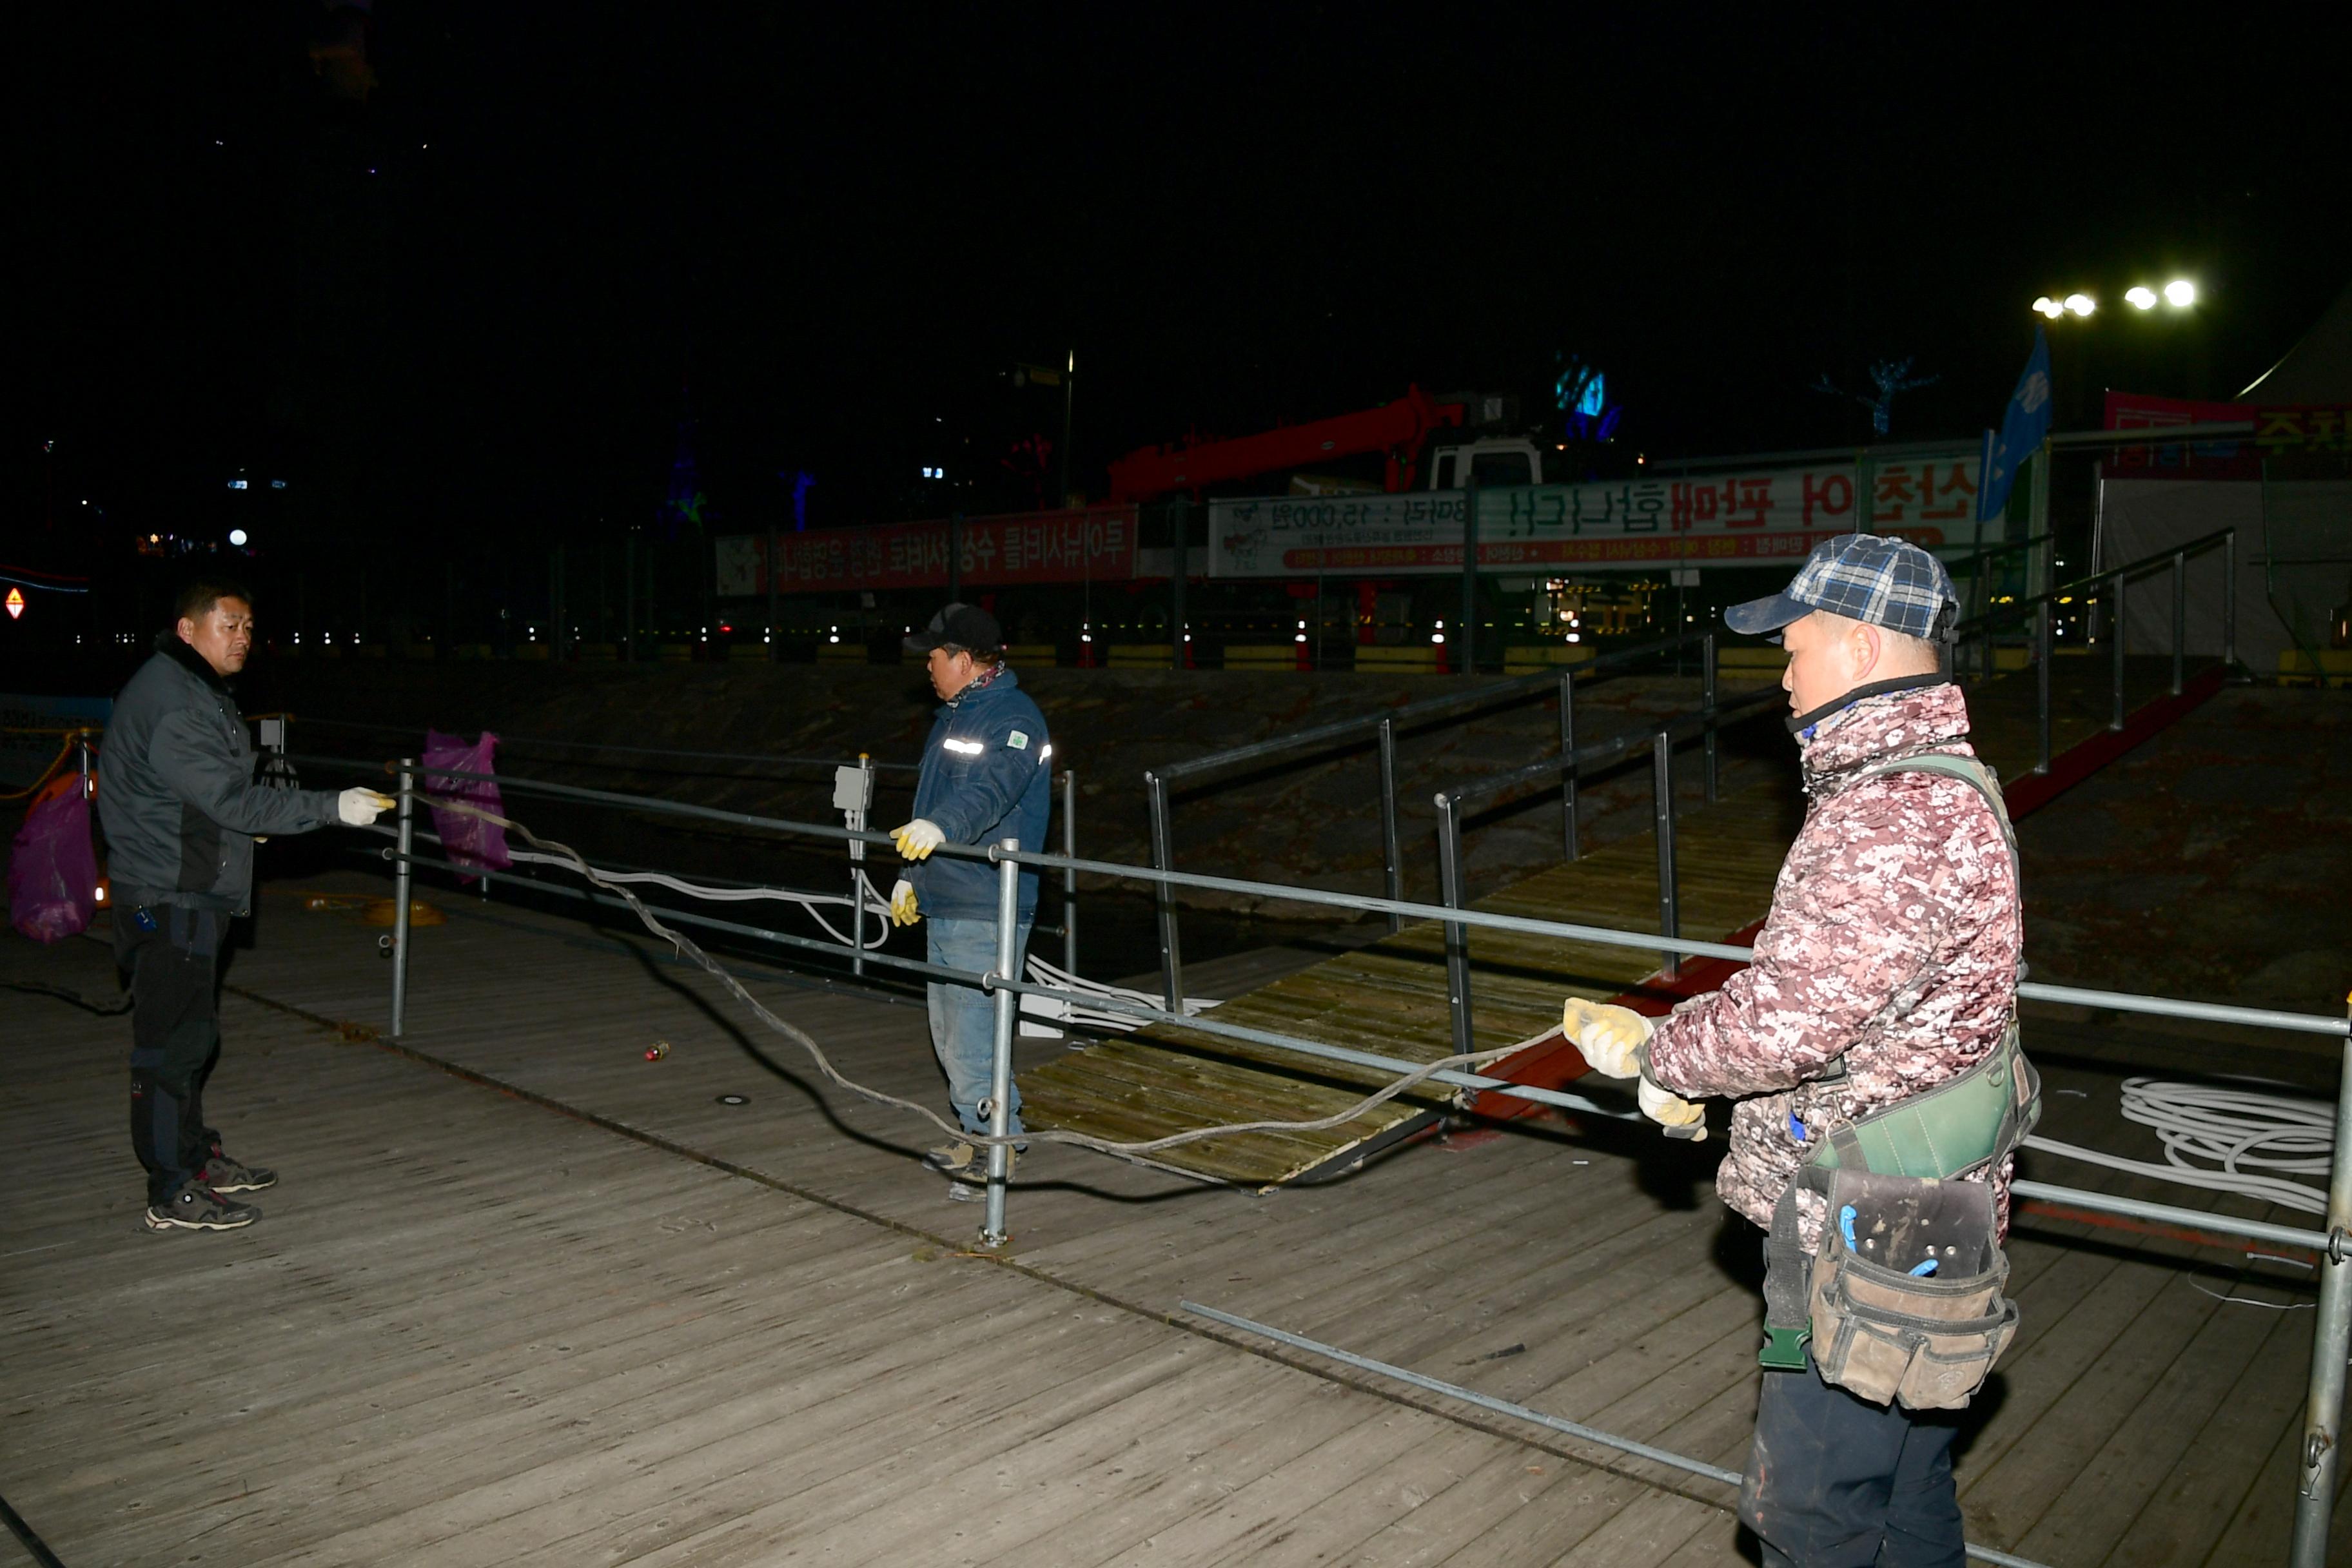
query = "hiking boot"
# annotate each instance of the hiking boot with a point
(954, 1159)
(198, 1207)
(223, 1174)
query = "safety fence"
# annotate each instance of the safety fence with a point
(854, 781)
(1381, 732)
(2331, 1246)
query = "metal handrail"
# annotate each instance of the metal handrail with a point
(1454, 879)
(1342, 730)
(1383, 728)
(1608, 936)
(2333, 1247)
(2039, 608)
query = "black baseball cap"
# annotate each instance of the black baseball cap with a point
(959, 626)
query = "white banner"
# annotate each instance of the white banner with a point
(1627, 525)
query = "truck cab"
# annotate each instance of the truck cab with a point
(1490, 460)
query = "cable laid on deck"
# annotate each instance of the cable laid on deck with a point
(873, 903)
(686, 948)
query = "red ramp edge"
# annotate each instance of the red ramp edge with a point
(1551, 1062)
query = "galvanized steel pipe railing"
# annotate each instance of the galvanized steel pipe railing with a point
(1383, 730)
(2332, 1335)
(2039, 611)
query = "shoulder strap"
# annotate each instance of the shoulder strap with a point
(1967, 769)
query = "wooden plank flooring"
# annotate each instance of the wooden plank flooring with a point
(1390, 997)
(474, 1330)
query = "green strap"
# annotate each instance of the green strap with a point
(1956, 1126)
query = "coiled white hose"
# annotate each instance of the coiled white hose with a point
(2224, 1138)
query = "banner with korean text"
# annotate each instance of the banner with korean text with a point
(1628, 524)
(1097, 542)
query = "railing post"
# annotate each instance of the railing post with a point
(2229, 599)
(1163, 859)
(1000, 1073)
(1568, 766)
(1390, 849)
(1707, 692)
(1662, 788)
(857, 871)
(1070, 873)
(1455, 894)
(2042, 686)
(404, 877)
(2116, 628)
(2331, 1342)
(2179, 616)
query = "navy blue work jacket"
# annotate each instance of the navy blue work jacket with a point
(985, 777)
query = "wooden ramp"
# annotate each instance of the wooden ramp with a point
(1390, 997)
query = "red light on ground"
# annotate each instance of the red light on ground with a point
(16, 602)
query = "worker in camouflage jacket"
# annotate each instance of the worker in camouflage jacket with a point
(1887, 965)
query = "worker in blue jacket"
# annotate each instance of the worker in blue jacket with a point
(985, 778)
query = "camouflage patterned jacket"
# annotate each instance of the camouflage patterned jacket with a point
(1893, 947)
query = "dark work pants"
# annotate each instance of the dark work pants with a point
(175, 1037)
(1835, 1482)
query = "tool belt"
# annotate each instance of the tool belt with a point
(1904, 1298)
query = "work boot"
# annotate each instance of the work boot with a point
(223, 1174)
(198, 1207)
(954, 1159)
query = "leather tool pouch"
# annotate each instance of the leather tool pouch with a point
(1885, 1332)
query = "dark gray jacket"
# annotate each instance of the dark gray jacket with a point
(177, 794)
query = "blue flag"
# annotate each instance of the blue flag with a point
(2022, 430)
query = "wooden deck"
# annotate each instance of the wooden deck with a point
(1390, 997)
(525, 1297)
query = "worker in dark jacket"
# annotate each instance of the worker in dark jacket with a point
(181, 810)
(984, 779)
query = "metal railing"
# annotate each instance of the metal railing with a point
(2332, 1246)
(1659, 739)
(1382, 730)
(2040, 609)
(1065, 788)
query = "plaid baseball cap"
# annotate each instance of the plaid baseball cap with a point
(1889, 583)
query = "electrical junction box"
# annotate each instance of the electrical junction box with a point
(852, 788)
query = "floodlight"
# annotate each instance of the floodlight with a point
(2142, 297)
(2180, 293)
(2049, 307)
(236, 537)
(2081, 304)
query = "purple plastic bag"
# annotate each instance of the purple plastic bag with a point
(53, 876)
(466, 839)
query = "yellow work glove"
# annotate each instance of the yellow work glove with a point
(1671, 1110)
(1608, 1036)
(902, 904)
(917, 839)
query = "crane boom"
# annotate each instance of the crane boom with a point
(1398, 428)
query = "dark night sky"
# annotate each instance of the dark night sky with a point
(836, 228)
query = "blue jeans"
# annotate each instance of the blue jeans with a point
(963, 1018)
